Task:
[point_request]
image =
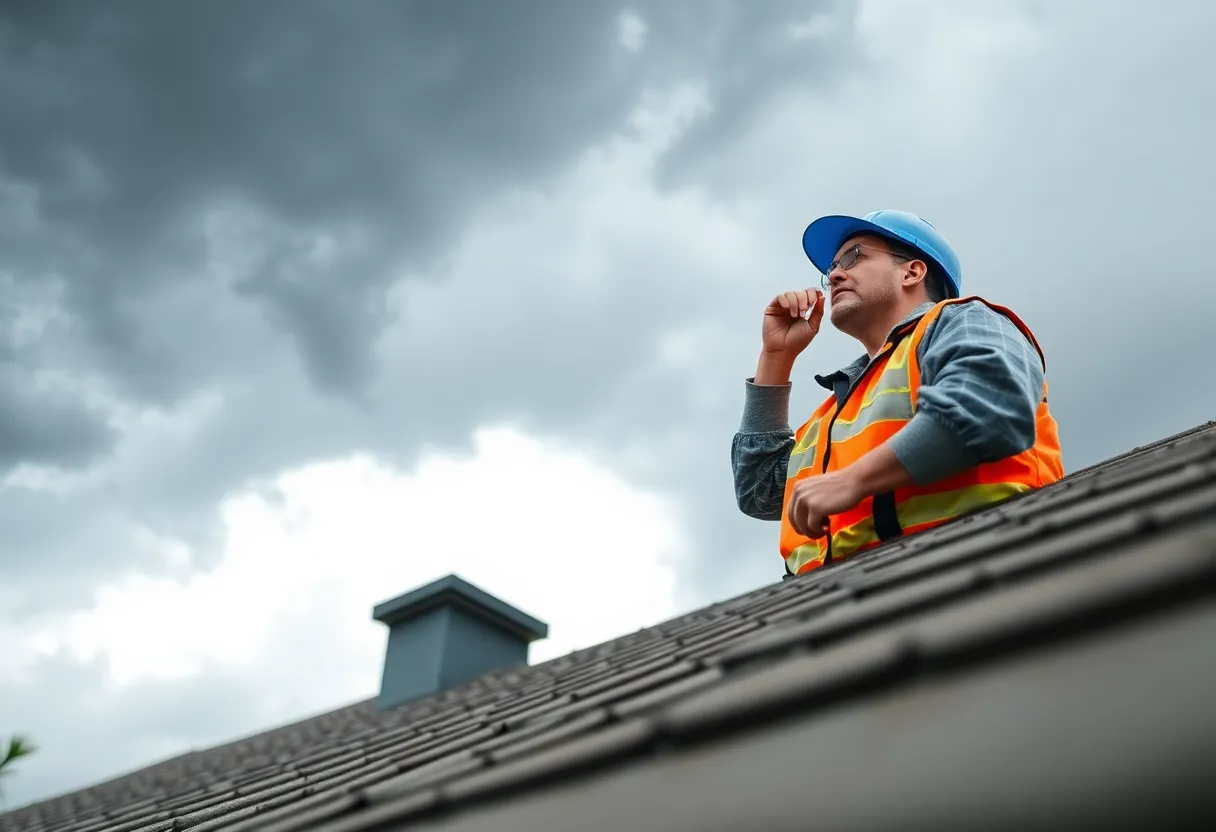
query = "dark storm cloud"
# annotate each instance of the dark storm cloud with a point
(45, 427)
(127, 121)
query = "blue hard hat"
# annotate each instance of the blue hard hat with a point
(824, 236)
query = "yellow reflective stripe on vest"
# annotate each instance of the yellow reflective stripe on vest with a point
(803, 454)
(925, 508)
(885, 405)
(804, 554)
(848, 540)
(889, 398)
(928, 508)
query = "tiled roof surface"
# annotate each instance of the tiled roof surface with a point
(1049, 659)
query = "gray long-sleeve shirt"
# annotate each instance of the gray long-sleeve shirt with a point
(981, 383)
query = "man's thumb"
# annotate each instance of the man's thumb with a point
(817, 309)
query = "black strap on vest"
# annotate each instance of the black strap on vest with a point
(886, 523)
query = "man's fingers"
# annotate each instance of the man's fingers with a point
(804, 519)
(792, 511)
(813, 525)
(804, 302)
(793, 304)
(799, 302)
(821, 527)
(795, 301)
(816, 316)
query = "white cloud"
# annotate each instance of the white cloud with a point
(631, 30)
(307, 556)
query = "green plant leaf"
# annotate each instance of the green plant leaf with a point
(18, 747)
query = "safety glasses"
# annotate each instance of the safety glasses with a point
(846, 261)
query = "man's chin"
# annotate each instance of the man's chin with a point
(842, 310)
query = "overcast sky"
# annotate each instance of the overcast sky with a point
(303, 304)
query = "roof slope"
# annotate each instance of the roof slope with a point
(1049, 657)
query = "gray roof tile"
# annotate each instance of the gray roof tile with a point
(571, 756)
(303, 814)
(847, 617)
(804, 679)
(668, 692)
(1115, 544)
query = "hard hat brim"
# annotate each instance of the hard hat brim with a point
(824, 237)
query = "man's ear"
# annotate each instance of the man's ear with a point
(915, 273)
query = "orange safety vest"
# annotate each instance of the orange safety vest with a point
(881, 402)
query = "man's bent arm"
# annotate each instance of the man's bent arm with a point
(879, 470)
(981, 382)
(760, 450)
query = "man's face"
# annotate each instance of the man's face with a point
(864, 282)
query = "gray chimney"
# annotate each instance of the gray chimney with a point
(446, 633)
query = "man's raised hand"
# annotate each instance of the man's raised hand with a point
(791, 322)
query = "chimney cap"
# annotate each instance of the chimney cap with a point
(452, 589)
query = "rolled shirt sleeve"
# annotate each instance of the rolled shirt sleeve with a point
(760, 450)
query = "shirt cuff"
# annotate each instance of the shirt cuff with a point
(766, 408)
(929, 451)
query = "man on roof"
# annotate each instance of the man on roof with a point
(944, 414)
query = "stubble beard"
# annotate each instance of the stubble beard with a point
(846, 313)
(852, 317)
